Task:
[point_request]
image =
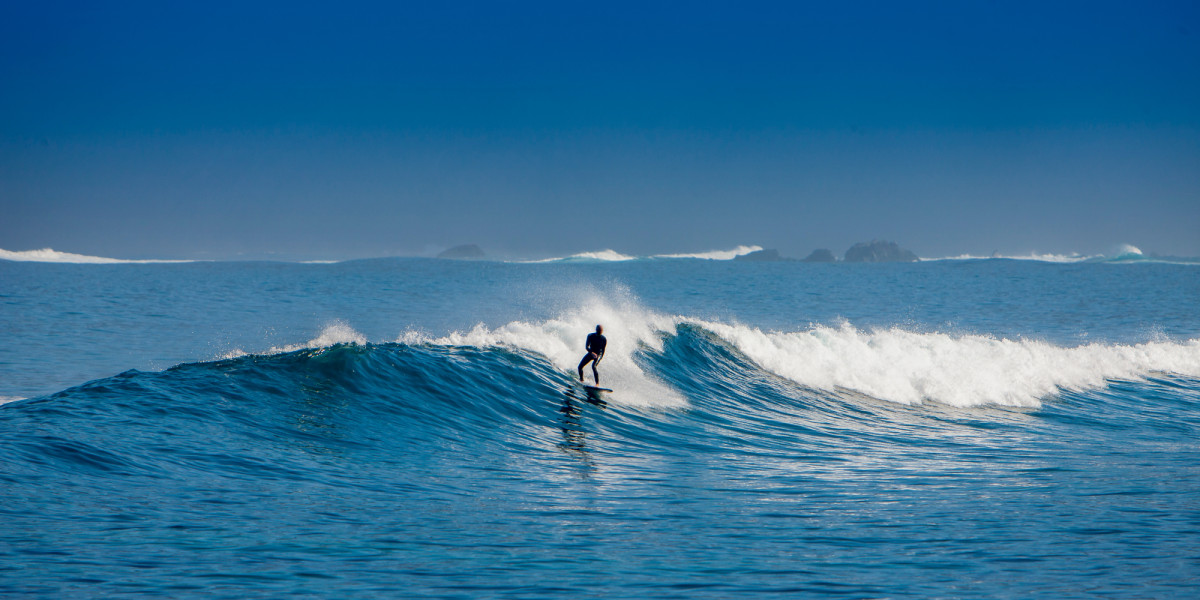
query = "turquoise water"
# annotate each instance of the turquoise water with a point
(411, 428)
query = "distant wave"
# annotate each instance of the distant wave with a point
(598, 256)
(1053, 258)
(1127, 250)
(6, 399)
(1120, 254)
(53, 256)
(614, 256)
(715, 254)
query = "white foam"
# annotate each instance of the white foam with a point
(960, 370)
(1124, 249)
(561, 340)
(53, 256)
(334, 333)
(1119, 251)
(614, 256)
(1033, 256)
(597, 256)
(337, 332)
(6, 399)
(715, 254)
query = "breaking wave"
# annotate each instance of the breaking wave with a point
(892, 364)
(49, 255)
(614, 256)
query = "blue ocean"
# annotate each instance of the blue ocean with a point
(414, 428)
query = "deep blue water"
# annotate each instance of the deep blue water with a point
(411, 428)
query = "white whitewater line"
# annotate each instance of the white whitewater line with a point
(1051, 258)
(609, 255)
(1119, 251)
(715, 254)
(601, 255)
(50, 255)
(964, 370)
(6, 399)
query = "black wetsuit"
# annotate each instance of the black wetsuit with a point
(595, 346)
(596, 343)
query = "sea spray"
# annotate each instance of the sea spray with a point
(629, 329)
(960, 370)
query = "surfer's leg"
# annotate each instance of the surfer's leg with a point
(583, 363)
(596, 373)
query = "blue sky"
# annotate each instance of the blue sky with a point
(537, 129)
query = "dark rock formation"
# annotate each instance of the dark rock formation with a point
(821, 255)
(761, 256)
(879, 251)
(466, 251)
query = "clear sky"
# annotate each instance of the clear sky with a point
(339, 130)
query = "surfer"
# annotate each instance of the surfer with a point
(595, 351)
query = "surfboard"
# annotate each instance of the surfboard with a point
(592, 388)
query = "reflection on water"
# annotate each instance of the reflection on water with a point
(574, 438)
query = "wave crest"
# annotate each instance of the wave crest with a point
(598, 256)
(965, 370)
(715, 254)
(609, 255)
(50, 255)
(1033, 256)
(895, 365)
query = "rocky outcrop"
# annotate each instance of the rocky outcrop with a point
(879, 251)
(821, 255)
(466, 251)
(771, 255)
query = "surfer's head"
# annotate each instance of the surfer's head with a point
(599, 329)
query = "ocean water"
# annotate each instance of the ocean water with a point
(411, 428)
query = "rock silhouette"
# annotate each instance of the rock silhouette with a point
(879, 251)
